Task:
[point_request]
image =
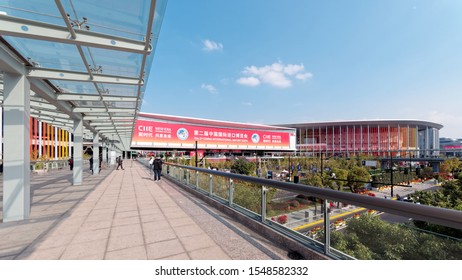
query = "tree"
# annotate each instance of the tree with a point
(313, 179)
(357, 176)
(371, 238)
(451, 165)
(427, 172)
(243, 166)
(449, 196)
(246, 194)
(342, 176)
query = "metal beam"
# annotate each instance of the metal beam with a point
(115, 130)
(52, 74)
(9, 62)
(25, 28)
(46, 93)
(89, 110)
(101, 110)
(100, 123)
(42, 105)
(94, 97)
(97, 118)
(120, 117)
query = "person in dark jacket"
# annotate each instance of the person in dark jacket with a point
(91, 164)
(120, 163)
(157, 166)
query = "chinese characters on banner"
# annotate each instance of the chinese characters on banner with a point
(150, 133)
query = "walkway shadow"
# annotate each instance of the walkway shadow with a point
(53, 198)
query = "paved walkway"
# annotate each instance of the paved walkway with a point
(124, 214)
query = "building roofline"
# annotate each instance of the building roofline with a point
(365, 122)
(208, 122)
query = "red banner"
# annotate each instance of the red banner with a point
(173, 135)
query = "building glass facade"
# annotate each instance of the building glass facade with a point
(375, 138)
(48, 142)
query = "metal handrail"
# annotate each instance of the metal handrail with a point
(435, 215)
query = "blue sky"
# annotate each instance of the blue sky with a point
(274, 62)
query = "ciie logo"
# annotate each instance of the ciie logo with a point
(182, 134)
(255, 138)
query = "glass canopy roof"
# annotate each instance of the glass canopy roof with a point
(92, 58)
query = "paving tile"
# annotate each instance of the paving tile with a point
(99, 256)
(195, 242)
(211, 253)
(126, 214)
(181, 222)
(124, 241)
(81, 250)
(188, 230)
(183, 256)
(159, 218)
(12, 250)
(176, 215)
(134, 253)
(105, 211)
(86, 236)
(159, 235)
(164, 249)
(47, 254)
(154, 226)
(55, 240)
(126, 230)
(99, 218)
(126, 221)
(89, 226)
(126, 209)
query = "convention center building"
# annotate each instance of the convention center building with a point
(405, 138)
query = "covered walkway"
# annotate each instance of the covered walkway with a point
(124, 214)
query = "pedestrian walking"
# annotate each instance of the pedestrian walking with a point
(157, 167)
(91, 164)
(120, 163)
(151, 162)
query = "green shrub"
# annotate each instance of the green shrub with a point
(294, 203)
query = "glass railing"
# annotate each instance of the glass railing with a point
(338, 224)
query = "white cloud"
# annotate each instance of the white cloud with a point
(276, 74)
(210, 45)
(248, 81)
(303, 76)
(247, 103)
(209, 88)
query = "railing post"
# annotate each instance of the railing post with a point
(263, 203)
(210, 185)
(231, 192)
(197, 180)
(326, 227)
(187, 177)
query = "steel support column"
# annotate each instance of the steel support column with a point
(16, 161)
(95, 153)
(78, 152)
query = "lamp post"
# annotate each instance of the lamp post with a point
(289, 167)
(197, 156)
(391, 173)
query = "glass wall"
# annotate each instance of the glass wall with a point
(375, 140)
(48, 142)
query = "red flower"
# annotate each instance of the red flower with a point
(282, 219)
